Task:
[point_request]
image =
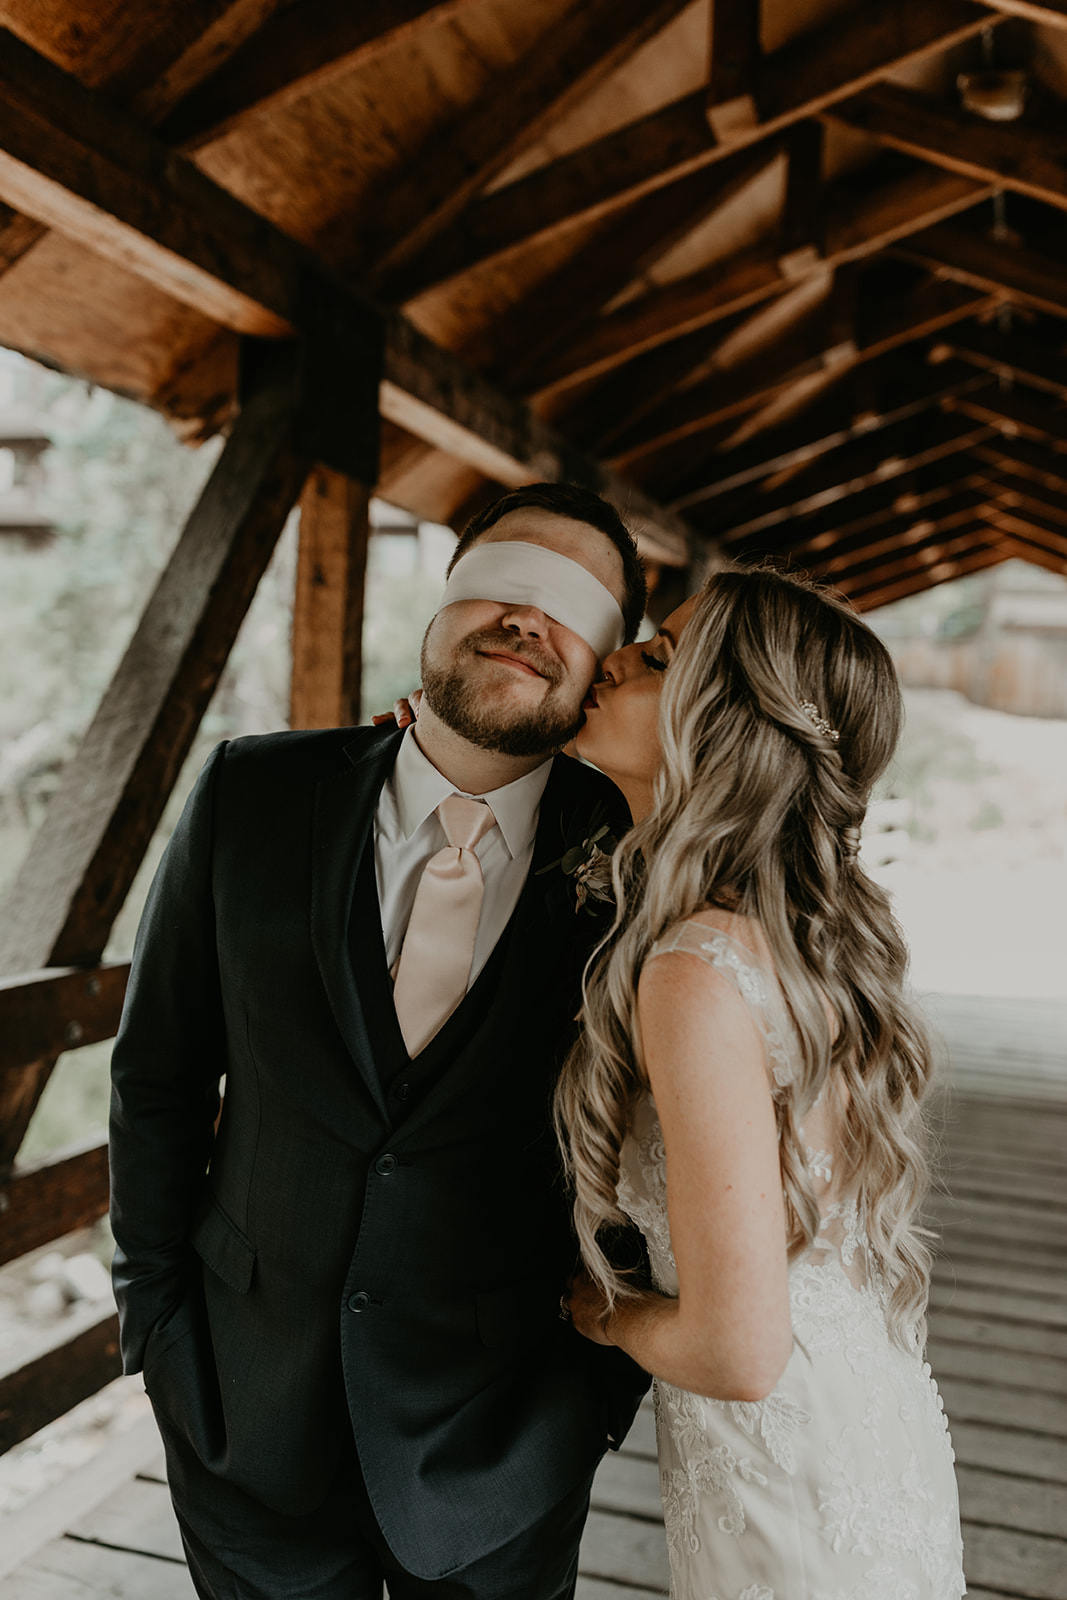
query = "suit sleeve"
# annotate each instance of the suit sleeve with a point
(169, 1056)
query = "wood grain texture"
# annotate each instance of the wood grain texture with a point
(46, 1199)
(82, 861)
(74, 1363)
(45, 1013)
(328, 604)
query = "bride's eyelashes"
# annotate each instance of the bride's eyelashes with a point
(655, 662)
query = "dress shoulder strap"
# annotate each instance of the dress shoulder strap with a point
(753, 982)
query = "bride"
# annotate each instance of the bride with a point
(746, 1090)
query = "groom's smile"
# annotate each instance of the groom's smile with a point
(507, 675)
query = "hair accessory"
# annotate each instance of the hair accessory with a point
(818, 721)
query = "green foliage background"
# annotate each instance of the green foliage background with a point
(119, 485)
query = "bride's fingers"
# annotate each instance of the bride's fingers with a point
(406, 710)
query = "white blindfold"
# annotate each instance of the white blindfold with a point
(510, 572)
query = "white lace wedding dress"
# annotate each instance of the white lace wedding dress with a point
(840, 1485)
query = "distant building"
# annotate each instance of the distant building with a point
(999, 637)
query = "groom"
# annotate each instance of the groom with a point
(345, 1301)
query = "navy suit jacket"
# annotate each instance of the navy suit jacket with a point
(369, 1245)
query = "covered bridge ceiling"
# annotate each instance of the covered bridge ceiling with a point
(769, 263)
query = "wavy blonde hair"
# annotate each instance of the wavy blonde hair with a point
(757, 811)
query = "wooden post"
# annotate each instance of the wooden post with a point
(328, 606)
(801, 242)
(732, 109)
(99, 823)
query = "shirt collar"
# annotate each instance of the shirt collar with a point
(419, 789)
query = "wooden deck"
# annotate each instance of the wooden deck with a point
(998, 1348)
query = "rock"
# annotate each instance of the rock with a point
(84, 1278)
(45, 1301)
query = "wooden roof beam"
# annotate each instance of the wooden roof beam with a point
(76, 163)
(887, 589)
(853, 231)
(1043, 463)
(869, 399)
(299, 49)
(879, 508)
(407, 210)
(1012, 354)
(1015, 155)
(798, 81)
(1046, 13)
(1013, 412)
(923, 557)
(1025, 549)
(844, 472)
(1019, 272)
(557, 314)
(1026, 520)
(701, 406)
(897, 537)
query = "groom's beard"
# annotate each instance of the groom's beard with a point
(453, 695)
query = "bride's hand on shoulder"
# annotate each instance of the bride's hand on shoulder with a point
(589, 1311)
(405, 711)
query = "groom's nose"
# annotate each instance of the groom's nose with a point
(529, 621)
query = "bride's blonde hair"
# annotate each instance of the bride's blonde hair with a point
(757, 809)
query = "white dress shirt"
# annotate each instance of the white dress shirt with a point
(407, 832)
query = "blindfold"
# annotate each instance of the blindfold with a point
(511, 572)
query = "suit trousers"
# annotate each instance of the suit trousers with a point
(238, 1549)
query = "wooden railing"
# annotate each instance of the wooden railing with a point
(43, 1014)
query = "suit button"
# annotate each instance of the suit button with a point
(385, 1165)
(402, 1091)
(358, 1302)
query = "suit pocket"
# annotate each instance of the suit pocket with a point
(516, 1313)
(222, 1246)
(179, 1376)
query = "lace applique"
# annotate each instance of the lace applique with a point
(752, 982)
(887, 1514)
(709, 1469)
(854, 1430)
(777, 1419)
(818, 1163)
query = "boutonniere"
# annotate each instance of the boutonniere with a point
(588, 863)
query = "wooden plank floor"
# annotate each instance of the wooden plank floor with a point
(998, 1348)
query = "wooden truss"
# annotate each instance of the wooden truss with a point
(760, 295)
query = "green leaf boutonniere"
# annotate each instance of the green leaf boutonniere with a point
(588, 863)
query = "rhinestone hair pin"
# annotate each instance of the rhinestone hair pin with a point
(818, 721)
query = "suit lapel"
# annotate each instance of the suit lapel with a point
(345, 803)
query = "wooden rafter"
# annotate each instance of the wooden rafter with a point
(811, 347)
(881, 591)
(70, 159)
(1021, 273)
(875, 511)
(1046, 13)
(1016, 411)
(865, 401)
(663, 146)
(1020, 355)
(844, 471)
(1015, 155)
(557, 314)
(299, 49)
(400, 217)
(953, 543)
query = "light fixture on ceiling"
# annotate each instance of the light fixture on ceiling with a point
(998, 94)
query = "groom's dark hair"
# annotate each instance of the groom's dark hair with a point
(578, 505)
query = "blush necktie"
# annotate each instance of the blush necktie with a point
(435, 960)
